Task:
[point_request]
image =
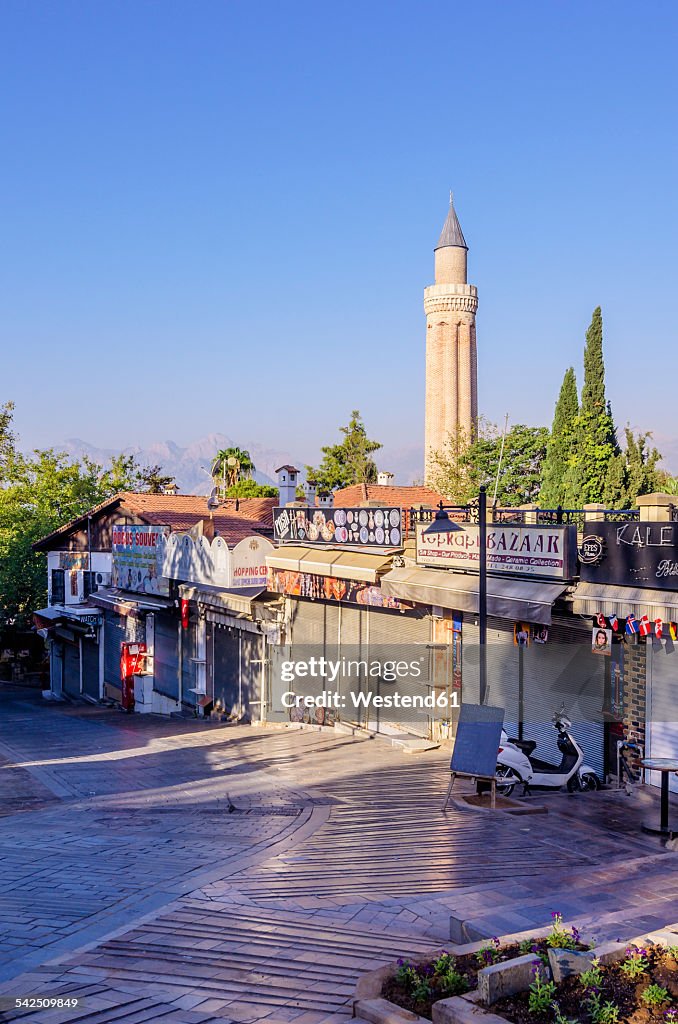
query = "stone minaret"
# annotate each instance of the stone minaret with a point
(451, 364)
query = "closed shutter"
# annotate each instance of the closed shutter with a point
(166, 656)
(71, 669)
(401, 637)
(662, 707)
(564, 671)
(354, 648)
(189, 677)
(252, 673)
(90, 669)
(226, 664)
(117, 630)
(503, 668)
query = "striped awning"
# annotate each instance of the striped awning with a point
(346, 565)
(591, 598)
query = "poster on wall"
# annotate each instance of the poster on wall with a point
(354, 527)
(136, 559)
(328, 588)
(521, 634)
(601, 641)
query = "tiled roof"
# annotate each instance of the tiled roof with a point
(181, 512)
(402, 497)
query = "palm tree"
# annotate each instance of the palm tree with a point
(231, 465)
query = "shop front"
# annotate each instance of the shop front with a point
(629, 586)
(74, 636)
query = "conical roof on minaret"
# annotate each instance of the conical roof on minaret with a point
(452, 233)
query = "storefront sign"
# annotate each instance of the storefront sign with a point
(545, 551)
(354, 527)
(74, 560)
(189, 559)
(248, 562)
(636, 555)
(327, 588)
(137, 560)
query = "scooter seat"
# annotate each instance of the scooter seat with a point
(527, 746)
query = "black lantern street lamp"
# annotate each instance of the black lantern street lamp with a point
(482, 591)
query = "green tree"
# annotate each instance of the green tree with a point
(560, 445)
(8, 451)
(251, 489)
(633, 471)
(595, 439)
(350, 461)
(152, 480)
(461, 468)
(231, 465)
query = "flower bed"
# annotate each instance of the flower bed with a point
(416, 987)
(640, 989)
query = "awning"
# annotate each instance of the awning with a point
(50, 615)
(238, 602)
(591, 598)
(125, 603)
(346, 565)
(512, 599)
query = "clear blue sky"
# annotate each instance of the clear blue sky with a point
(221, 216)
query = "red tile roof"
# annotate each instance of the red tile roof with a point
(181, 512)
(398, 497)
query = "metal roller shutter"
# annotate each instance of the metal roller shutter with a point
(71, 669)
(189, 647)
(503, 668)
(117, 629)
(90, 669)
(565, 671)
(354, 647)
(226, 662)
(251, 673)
(396, 636)
(166, 656)
(662, 707)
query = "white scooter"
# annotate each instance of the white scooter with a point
(515, 763)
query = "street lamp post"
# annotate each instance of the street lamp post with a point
(482, 591)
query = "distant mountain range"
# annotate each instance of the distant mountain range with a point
(190, 465)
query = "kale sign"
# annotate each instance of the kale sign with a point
(636, 555)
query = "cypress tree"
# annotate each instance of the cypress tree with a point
(559, 449)
(595, 440)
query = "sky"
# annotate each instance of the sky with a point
(221, 216)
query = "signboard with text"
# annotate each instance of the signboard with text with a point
(631, 554)
(543, 551)
(136, 558)
(353, 527)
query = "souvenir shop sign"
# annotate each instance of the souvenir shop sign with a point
(543, 551)
(353, 527)
(327, 588)
(137, 558)
(632, 554)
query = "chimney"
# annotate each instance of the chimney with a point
(310, 488)
(325, 499)
(385, 479)
(287, 484)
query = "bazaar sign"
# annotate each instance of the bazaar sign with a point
(328, 588)
(635, 554)
(543, 551)
(352, 527)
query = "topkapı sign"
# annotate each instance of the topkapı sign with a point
(544, 551)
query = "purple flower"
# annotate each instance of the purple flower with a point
(401, 962)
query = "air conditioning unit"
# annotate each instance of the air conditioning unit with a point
(102, 579)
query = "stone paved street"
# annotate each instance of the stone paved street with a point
(186, 872)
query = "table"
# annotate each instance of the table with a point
(665, 765)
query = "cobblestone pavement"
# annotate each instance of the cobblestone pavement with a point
(186, 872)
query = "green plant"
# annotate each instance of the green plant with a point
(446, 978)
(542, 990)
(601, 1013)
(636, 962)
(593, 978)
(654, 995)
(559, 937)
(559, 1017)
(421, 990)
(489, 953)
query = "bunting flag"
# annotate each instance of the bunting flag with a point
(631, 624)
(601, 620)
(614, 623)
(658, 628)
(673, 630)
(645, 626)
